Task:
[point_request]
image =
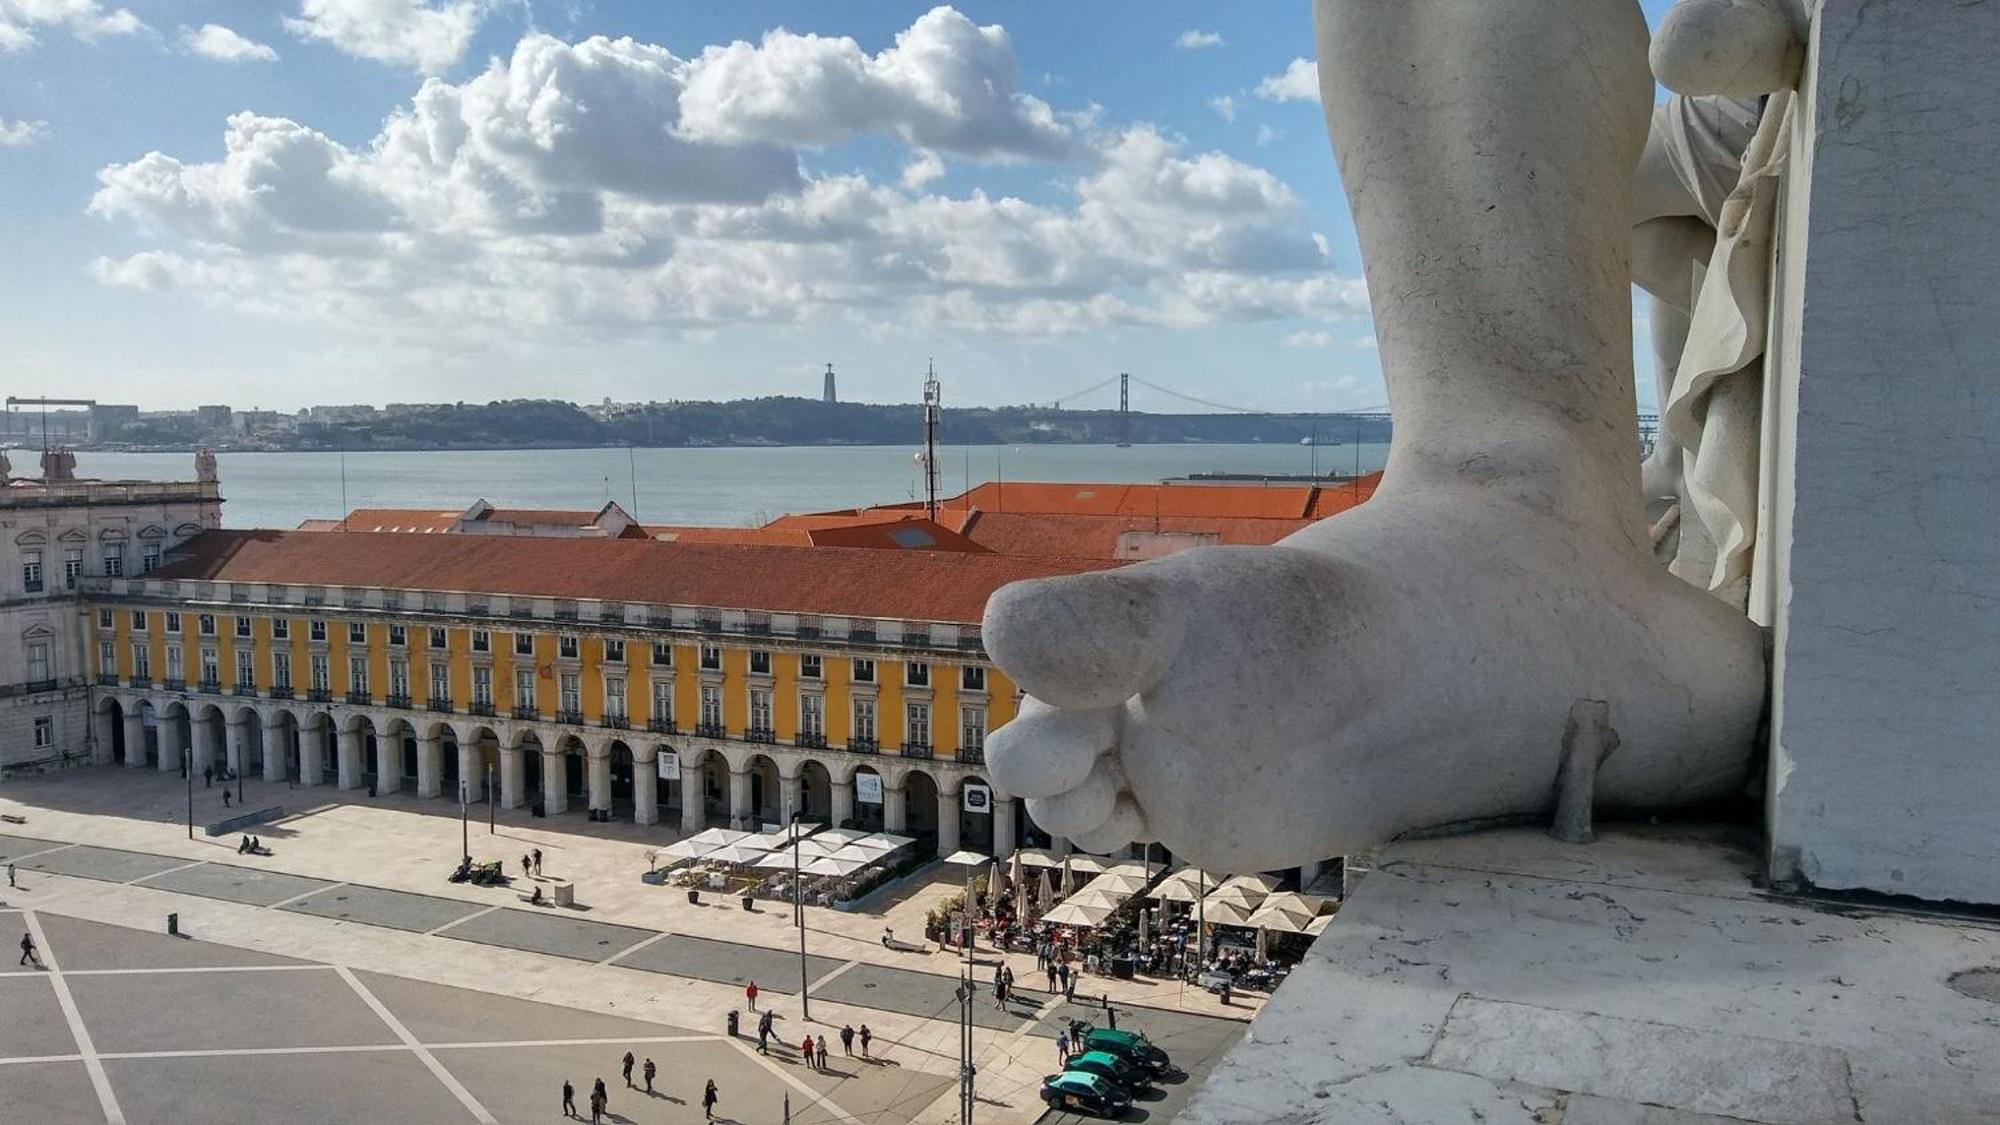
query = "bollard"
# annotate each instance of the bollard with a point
(174, 924)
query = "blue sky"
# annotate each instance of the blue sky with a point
(268, 212)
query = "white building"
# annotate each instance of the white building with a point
(53, 533)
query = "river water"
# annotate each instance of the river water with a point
(729, 487)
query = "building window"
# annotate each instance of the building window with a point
(114, 563)
(242, 626)
(211, 668)
(38, 662)
(711, 658)
(663, 702)
(864, 671)
(45, 732)
(142, 662)
(916, 674)
(176, 663)
(524, 644)
(810, 667)
(281, 671)
(149, 559)
(812, 715)
(524, 687)
(72, 567)
(399, 679)
(316, 630)
(246, 668)
(357, 633)
(614, 652)
(571, 697)
(138, 620)
(105, 619)
(917, 723)
(482, 686)
(663, 654)
(31, 571)
(205, 623)
(281, 628)
(972, 677)
(711, 707)
(107, 658)
(437, 637)
(322, 676)
(760, 663)
(972, 728)
(567, 647)
(864, 720)
(482, 641)
(173, 622)
(760, 711)
(399, 636)
(614, 697)
(357, 673)
(440, 681)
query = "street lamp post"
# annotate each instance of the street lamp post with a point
(489, 798)
(187, 771)
(464, 825)
(799, 919)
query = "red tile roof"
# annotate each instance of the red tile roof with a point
(389, 519)
(898, 532)
(838, 581)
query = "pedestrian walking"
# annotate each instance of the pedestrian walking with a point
(527, 866)
(207, 776)
(569, 1099)
(599, 1094)
(820, 1042)
(28, 953)
(750, 992)
(596, 1109)
(538, 861)
(1069, 985)
(649, 1071)
(806, 1050)
(867, 1037)
(1052, 976)
(708, 1100)
(629, 1060)
(847, 1040)
(225, 796)
(1062, 1047)
(10, 876)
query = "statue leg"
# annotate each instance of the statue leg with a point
(1412, 663)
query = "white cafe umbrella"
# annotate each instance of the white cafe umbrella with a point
(736, 853)
(774, 861)
(965, 859)
(884, 840)
(1224, 912)
(689, 848)
(996, 881)
(716, 837)
(834, 865)
(1088, 864)
(863, 855)
(1036, 857)
(840, 836)
(1288, 913)
(1017, 878)
(1077, 914)
(1319, 924)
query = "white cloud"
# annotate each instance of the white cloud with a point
(1224, 105)
(1309, 339)
(1194, 40)
(561, 195)
(217, 42)
(946, 84)
(85, 19)
(1298, 83)
(1366, 343)
(429, 36)
(20, 134)
(1265, 135)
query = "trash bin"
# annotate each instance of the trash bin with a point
(173, 923)
(694, 898)
(1123, 967)
(733, 1017)
(749, 902)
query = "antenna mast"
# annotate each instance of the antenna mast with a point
(933, 394)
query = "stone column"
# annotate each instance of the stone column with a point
(740, 812)
(472, 771)
(597, 778)
(102, 729)
(312, 754)
(171, 745)
(235, 733)
(1004, 829)
(208, 735)
(555, 783)
(275, 750)
(388, 760)
(430, 765)
(135, 737)
(513, 776)
(947, 812)
(349, 765)
(843, 801)
(694, 798)
(893, 819)
(645, 787)
(788, 793)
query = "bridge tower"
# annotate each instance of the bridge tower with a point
(1124, 410)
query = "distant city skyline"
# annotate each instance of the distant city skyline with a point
(456, 200)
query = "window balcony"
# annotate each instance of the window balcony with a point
(478, 708)
(35, 687)
(918, 750)
(526, 711)
(176, 685)
(710, 625)
(280, 691)
(438, 703)
(360, 697)
(810, 741)
(402, 701)
(107, 679)
(249, 689)
(759, 734)
(861, 636)
(863, 745)
(211, 687)
(972, 755)
(662, 726)
(616, 722)
(710, 730)
(320, 695)
(570, 715)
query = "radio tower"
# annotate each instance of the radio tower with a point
(933, 395)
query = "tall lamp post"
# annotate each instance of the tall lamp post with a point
(799, 920)
(464, 824)
(187, 771)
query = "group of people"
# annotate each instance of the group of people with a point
(600, 1098)
(531, 863)
(1003, 985)
(1053, 956)
(251, 845)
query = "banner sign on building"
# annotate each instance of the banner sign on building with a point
(978, 798)
(670, 766)
(868, 788)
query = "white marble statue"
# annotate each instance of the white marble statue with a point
(1422, 660)
(204, 466)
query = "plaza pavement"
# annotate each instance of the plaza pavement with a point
(359, 882)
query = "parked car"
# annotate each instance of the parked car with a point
(1131, 1079)
(1084, 1093)
(1132, 1046)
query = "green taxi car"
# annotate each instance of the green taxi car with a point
(1131, 1046)
(1112, 1069)
(1084, 1093)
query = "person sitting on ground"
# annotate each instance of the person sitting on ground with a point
(243, 847)
(537, 899)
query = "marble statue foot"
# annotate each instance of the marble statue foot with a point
(1409, 664)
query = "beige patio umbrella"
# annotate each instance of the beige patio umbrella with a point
(1044, 893)
(1263, 884)
(1129, 882)
(736, 853)
(1018, 879)
(833, 865)
(1183, 886)
(1088, 864)
(1077, 914)
(1318, 925)
(1288, 912)
(1224, 912)
(1036, 857)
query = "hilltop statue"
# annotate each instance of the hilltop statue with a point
(1491, 628)
(204, 466)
